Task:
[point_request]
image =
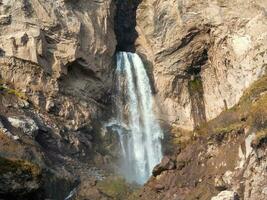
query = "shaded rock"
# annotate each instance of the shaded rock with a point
(180, 165)
(80, 143)
(166, 164)
(18, 178)
(5, 19)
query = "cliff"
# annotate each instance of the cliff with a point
(206, 61)
(222, 159)
(56, 61)
(202, 54)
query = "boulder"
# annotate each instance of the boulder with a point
(226, 195)
(166, 164)
(28, 125)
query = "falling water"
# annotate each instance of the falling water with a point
(141, 144)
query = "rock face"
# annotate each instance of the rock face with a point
(56, 77)
(56, 61)
(166, 164)
(18, 178)
(223, 159)
(57, 50)
(202, 55)
(203, 162)
(28, 125)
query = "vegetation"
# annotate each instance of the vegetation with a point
(195, 85)
(260, 139)
(181, 137)
(251, 112)
(115, 187)
(6, 90)
(13, 166)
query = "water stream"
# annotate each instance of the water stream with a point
(140, 139)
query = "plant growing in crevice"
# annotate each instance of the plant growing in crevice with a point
(196, 93)
(195, 85)
(5, 89)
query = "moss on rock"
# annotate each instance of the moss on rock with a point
(115, 187)
(12, 166)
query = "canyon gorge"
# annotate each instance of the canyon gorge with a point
(133, 99)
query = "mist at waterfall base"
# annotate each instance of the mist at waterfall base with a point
(139, 132)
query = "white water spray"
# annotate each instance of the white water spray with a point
(141, 144)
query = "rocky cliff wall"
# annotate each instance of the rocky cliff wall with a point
(56, 66)
(214, 47)
(56, 70)
(59, 53)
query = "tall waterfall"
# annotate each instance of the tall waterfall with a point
(141, 138)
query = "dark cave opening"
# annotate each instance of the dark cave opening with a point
(125, 23)
(195, 68)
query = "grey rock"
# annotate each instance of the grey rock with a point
(28, 125)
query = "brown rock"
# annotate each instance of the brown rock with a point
(159, 187)
(166, 164)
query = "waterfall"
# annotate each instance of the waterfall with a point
(141, 144)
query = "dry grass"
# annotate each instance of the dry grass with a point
(258, 114)
(181, 137)
(251, 111)
(115, 187)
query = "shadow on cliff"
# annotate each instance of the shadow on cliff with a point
(125, 23)
(126, 34)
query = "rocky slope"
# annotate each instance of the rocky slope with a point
(224, 159)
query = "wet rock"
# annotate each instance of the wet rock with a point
(166, 164)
